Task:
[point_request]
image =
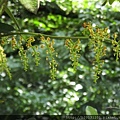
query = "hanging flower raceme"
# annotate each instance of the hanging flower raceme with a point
(74, 49)
(3, 62)
(50, 55)
(96, 43)
(116, 46)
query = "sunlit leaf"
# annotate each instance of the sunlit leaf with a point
(91, 111)
(31, 5)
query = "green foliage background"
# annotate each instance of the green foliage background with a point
(32, 91)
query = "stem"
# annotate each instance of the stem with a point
(39, 34)
(51, 36)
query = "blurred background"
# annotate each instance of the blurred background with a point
(32, 91)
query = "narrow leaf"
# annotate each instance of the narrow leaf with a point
(12, 17)
(31, 5)
(5, 28)
(3, 4)
(91, 111)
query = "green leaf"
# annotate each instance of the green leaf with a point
(3, 4)
(111, 1)
(5, 28)
(31, 5)
(12, 17)
(91, 111)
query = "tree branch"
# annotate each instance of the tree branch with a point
(40, 34)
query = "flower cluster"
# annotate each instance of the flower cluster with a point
(74, 48)
(4, 41)
(51, 54)
(36, 55)
(97, 37)
(24, 58)
(13, 43)
(20, 45)
(35, 52)
(3, 62)
(29, 42)
(116, 47)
